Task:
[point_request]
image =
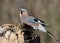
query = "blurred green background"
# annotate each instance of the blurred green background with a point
(47, 10)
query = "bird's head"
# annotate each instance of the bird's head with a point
(23, 12)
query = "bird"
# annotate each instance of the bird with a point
(34, 22)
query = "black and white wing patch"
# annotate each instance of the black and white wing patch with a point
(40, 21)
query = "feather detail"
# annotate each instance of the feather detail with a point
(41, 28)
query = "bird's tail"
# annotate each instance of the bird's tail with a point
(52, 36)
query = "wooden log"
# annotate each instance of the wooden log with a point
(12, 35)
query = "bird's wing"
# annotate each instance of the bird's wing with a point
(40, 21)
(31, 19)
(35, 19)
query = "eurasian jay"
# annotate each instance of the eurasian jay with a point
(33, 22)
